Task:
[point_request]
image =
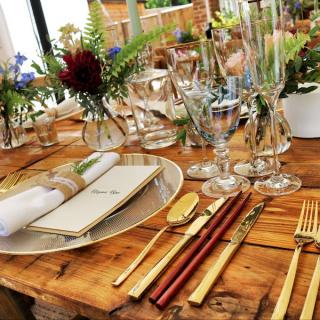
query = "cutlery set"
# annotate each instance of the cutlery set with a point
(306, 232)
(198, 251)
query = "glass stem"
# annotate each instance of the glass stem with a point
(205, 160)
(274, 140)
(252, 133)
(223, 161)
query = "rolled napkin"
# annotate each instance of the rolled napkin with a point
(20, 210)
(62, 109)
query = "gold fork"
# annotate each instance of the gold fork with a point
(308, 307)
(9, 181)
(305, 233)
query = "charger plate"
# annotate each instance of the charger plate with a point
(150, 200)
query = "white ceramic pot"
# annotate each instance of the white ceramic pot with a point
(303, 114)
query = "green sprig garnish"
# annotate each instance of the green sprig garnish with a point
(81, 167)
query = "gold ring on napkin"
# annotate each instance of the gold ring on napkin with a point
(68, 182)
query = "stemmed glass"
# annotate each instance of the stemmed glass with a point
(262, 30)
(232, 62)
(214, 109)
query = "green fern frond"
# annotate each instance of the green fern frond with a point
(95, 25)
(294, 44)
(131, 50)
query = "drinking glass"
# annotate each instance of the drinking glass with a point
(152, 87)
(232, 62)
(45, 129)
(263, 37)
(214, 109)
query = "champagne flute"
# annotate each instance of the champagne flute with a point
(214, 109)
(262, 28)
(232, 61)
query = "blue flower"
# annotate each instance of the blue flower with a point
(178, 34)
(25, 79)
(20, 58)
(297, 5)
(1, 70)
(14, 68)
(112, 52)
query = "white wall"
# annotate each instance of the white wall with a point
(57, 14)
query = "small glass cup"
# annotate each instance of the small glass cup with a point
(45, 129)
(153, 108)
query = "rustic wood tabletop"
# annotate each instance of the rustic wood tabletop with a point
(80, 279)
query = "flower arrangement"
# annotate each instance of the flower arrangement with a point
(82, 64)
(16, 96)
(191, 34)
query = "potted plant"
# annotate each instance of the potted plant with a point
(302, 93)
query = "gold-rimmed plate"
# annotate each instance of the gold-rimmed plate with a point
(149, 201)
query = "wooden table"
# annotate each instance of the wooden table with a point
(80, 279)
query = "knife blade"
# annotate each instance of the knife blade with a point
(198, 295)
(137, 291)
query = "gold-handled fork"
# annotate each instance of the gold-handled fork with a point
(308, 307)
(305, 233)
(9, 181)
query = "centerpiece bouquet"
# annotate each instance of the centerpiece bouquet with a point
(16, 96)
(94, 74)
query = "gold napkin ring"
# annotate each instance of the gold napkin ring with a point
(69, 183)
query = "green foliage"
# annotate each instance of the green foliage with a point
(95, 35)
(130, 52)
(224, 19)
(302, 64)
(293, 45)
(81, 167)
(150, 4)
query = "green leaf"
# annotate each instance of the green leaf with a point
(304, 90)
(181, 122)
(182, 135)
(297, 63)
(313, 31)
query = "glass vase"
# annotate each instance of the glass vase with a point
(12, 134)
(104, 129)
(262, 123)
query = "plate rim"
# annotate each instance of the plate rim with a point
(76, 246)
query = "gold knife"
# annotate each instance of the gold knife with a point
(137, 291)
(198, 295)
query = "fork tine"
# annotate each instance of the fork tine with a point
(305, 220)
(315, 222)
(15, 180)
(301, 217)
(310, 217)
(8, 180)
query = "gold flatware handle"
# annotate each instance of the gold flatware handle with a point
(124, 275)
(198, 295)
(311, 298)
(137, 291)
(282, 304)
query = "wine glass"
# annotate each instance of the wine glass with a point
(262, 30)
(232, 62)
(214, 109)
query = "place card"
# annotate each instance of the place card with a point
(97, 201)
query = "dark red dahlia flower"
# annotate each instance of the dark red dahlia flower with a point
(83, 72)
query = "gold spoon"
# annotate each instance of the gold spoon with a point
(182, 211)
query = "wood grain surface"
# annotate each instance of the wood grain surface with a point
(80, 279)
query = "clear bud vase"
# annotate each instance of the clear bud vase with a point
(262, 123)
(104, 129)
(12, 134)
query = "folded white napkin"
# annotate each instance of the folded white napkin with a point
(23, 208)
(62, 109)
